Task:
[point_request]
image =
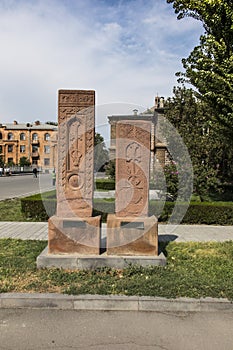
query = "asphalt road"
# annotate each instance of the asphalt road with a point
(31, 329)
(23, 185)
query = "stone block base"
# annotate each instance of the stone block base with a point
(129, 236)
(92, 262)
(74, 235)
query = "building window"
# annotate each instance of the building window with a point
(0, 136)
(0, 149)
(34, 149)
(46, 161)
(22, 148)
(47, 149)
(10, 136)
(35, 137)
(47, 137)
(10, 161)
(22, 136)
(10, 148)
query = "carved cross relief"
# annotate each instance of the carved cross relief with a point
(75, 152)
(132, 169)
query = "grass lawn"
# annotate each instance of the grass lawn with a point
(10, 210)
(193, 270)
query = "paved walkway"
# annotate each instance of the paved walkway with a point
(179, 233)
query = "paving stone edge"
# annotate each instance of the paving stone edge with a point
(111, 303)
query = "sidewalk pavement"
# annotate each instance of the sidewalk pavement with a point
(178, 233)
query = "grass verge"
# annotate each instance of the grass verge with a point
(193, 270)
(10, 210)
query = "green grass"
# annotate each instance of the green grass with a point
(193, 270)
(10, 210)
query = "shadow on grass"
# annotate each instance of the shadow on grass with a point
(164, 240)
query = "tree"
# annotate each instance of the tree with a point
(24, 161)
(52, 123)
(209, 66)
(192, 118)
(100, 153)
(1, 161)
(10, 163)
(111, 169)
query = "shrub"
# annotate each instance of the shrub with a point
(41, 209)
(197, 213)
(105, 184)
(38, 208)
(209, 213)
(103, 207)
(111, 169)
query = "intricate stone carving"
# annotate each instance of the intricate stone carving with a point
(132, 167)
(130, 231)
(75, 153)
(83, 97)
(73, 229)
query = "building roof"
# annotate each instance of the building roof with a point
(27, 126)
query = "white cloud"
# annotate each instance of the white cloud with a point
(127, 51)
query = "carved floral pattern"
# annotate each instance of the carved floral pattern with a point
(133, 154)
(75, 154)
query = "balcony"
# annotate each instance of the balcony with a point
(35, 154)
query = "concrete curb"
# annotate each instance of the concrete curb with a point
(112, 303)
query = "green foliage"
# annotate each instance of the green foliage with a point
(209, 214)
(105, 184)
(111, 169)
(216, 213)
(100, 153)
(103, 207)
(11, 163)
(52, 123)
(1, 161)
(37, 207)
(172, 181)
(10, 210)
(197, 213)
(202, 135)
(24, 161)
(193, 270)
(209, 66)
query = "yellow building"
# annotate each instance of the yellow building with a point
(37, 142)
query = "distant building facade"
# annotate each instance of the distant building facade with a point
(37, 142)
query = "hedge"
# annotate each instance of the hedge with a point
(210, 214)
(39, 208)
(197, 213)
(105, 184)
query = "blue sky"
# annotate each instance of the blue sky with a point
(128, 51)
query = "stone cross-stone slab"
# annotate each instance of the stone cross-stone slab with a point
(132, 167)
(130, 231)
(76, 128)
(73, 229)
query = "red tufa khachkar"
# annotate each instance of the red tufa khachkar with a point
(130, 231)
(73, 229)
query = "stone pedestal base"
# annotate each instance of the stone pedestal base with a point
(136, 236)
(74, 235)
(93, 262)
